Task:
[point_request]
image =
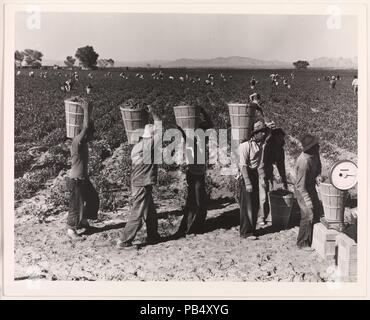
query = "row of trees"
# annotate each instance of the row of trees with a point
(88, 59)
(28, 57)
(86, 56)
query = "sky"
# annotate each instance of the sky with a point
(141, 37)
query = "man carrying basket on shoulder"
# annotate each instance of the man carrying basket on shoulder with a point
(143, 177)
(195, 212)
(84, 200)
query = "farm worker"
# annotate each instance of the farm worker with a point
(67, 85)
(250, 183)
(252, 82)
(84, 200)
(355, 84)
(273, 154)
(143, 177)
(333, 82)
(89, 88)
(307, 172)
(195, 211)
(255, 99)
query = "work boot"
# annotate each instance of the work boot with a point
(124, 245)
(307, 249)
(73, 235)
(153, 240)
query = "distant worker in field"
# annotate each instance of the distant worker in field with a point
(307, 174)
(273, 154)
(84, 200)
(355, 84)
(195, 211)
(251, 180)
(255, 100)
(144, 174)
(66, 86)
(252, 82)
(332, 82)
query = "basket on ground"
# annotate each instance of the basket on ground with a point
(242, 117)
(187, 117)
(333, 202)
(281, 203)
(134, 121)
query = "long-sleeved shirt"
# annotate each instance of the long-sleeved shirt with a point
(250, 155)
(273, 153)
(307, 168)
(197, 147)
(144, 170)
(80, 156)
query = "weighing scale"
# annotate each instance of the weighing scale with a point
(343, 176)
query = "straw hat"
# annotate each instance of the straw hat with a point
(258, 127)
(308, 141)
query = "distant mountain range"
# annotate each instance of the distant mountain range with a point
(335, 63)
(232, 62)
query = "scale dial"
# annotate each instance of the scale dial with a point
(343, 175)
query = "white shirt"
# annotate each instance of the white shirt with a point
(355, 82)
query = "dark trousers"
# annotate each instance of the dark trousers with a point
(195, 212)
(249, 205)
(142, 208)
(83, 203)
(308, 217)
(264, 208)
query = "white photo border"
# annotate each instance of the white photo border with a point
(178, 290)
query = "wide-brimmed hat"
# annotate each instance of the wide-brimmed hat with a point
(148, 131)
(308, 141)
(258, 127)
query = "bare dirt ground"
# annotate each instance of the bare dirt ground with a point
(43, 250)
(218, 254)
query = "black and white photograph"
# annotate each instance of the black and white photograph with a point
(185, 147)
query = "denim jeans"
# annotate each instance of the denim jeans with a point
(142, 208)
